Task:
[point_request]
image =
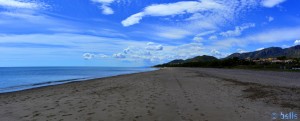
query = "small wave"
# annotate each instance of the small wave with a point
(35, 85)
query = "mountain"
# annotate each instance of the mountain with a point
(176, 61)
(272, 52)
(203, 58)
(210, 61)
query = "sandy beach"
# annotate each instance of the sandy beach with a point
(168, 94)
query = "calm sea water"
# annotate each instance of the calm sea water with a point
(21, 78)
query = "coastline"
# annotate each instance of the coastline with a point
(25, 87)
(185, 93)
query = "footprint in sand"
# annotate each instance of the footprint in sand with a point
(50, 116)
(149, 113)
(91, 113)
(137, 117)
(67, 114)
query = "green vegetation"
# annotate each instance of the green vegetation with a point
(280, 63)
(273, 58)
(272, 52)
(207, 61)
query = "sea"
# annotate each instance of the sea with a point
(22, 78)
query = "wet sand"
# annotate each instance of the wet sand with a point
(169, 94)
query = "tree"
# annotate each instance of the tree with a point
(282, 58)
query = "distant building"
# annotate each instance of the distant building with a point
(272, 60)
(296, 68)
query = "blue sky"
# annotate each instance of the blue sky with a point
(134, 33)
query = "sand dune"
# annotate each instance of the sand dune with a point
(169, 94)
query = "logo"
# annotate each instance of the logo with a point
(274, 116)
(285, 116)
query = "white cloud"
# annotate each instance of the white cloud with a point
(213, 37)
(126, 51)
(285, 46)
(104, 1)
(271, 3)
(89, 47)
(192, 17)
(27, 10)
(184, 7)
(276, 35)
(70, 44)
(297, 42)
(119, 55)
(218, 54)
(205, 33)
(215, 52)
(270, 18)
(88, 56)
(258, 49)
(102, 56)
(166, 54)
(188, 50)
(155, 48)
(136, 53)
(19, 4)
(241, 51)
(198, 39)
(105, 6)
(150, 43)
(268, 36)
(106, 10)
(25, 16)
(238, 30)
(172, 33)
(133, 19)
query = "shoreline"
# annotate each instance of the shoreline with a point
(60, 82)
(185, 93)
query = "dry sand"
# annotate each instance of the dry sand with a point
(169, 94)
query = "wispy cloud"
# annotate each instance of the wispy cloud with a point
(213, 37)
(258, 49)
(78, 42)
(270, 18)
(199, 37)
(205, 33)
(238, 30)
(31, 45)
(18, 13)
(25, 15)
(171, 32)
(297, 42)
(271, 3)
(105, 6)
(185, 7)
(190, 18)
(268, 36)
(154, 46)
(20, 4)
